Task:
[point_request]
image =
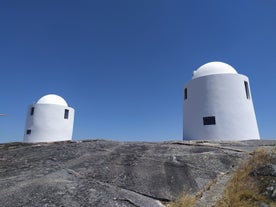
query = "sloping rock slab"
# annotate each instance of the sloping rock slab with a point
(109, 173)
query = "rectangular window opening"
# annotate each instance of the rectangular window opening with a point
(66, 114)
(185, 93)
(32, 111)
(209, 120)
(247, 90)
(28, 131)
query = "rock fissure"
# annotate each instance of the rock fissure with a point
(128, 200)
(208, 145)
(149, 196)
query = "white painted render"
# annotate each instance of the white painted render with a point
(48, 122)
(219, 94)
(214, 68)
(52, 99)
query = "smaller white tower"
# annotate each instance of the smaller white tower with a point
(218, 105)
(49, 120)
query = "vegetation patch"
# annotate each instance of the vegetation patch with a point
(246, 188)
(253, 184)
(186, 200)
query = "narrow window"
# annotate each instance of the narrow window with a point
(247, 90)
(32, 111)
(28, 131)
(209, 120)
(185, 93)
(66, 114)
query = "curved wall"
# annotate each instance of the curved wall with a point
(219, 107)
(48, 123)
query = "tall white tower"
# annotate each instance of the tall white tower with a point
(49, 120)
(218, 105)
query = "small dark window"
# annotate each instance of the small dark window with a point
(32, 111)
(209, 120)
(28, 131)
(247, 90)
(185, 93)
(66, 114)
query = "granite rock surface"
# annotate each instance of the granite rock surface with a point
(109, 173)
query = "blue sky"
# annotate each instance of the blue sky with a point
(122, 64)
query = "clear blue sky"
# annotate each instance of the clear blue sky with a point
(122, 64)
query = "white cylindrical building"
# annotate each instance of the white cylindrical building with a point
(218, 105)
(49, 120)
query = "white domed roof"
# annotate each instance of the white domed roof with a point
(213, 68)
(52, 99)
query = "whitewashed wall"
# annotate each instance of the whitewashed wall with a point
(222, 96)
(47, 124)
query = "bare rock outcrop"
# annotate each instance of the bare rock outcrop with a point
(110, 173)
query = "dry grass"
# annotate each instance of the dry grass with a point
(243, 189)
(188, 200)
(184, 200)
